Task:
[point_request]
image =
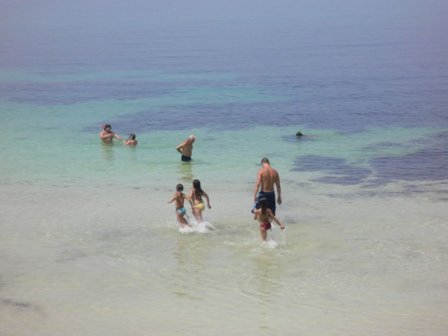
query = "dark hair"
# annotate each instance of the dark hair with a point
(264, 160)
(131, 136)
(107, 126)
(197, 186)
(179, 187)
(263, 205)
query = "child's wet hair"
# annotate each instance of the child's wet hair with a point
(197, 187)
(263, 204)
(179, 187)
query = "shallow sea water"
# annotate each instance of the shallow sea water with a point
(90, 246)
(350, 262)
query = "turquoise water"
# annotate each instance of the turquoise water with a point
(87, 234)
(54, 140)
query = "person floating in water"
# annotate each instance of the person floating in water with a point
(197, 203)
(130, 141)
(107, 136)
(179, 198)
(186, 148)
(264, 216)
(267, 178)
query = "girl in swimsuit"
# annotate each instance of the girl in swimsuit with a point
(264, 215)
(197, 203)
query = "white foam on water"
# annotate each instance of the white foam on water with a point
(196, 227)
(272, 244)
(202, 227)
(186, 229)
(279, 235)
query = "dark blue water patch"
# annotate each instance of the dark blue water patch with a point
(335, 79)
(428, 164)
(410, 189)
(389, 144)
(66, 93)
(343, 179)
(338, 170)
(226, 116)
(317, 105)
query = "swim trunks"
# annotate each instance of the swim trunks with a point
(181, 211)
(185, 158)
(265, 226)
(200, 206)
(270, 198)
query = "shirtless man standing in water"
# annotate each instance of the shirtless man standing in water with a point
(267, 178)
(186, 148)
(107, 136)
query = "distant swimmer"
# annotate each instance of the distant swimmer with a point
(197, 203)
(179, 198)
(186, 148)
(107, 136)
(264, 216)
(131, 141)
(267, 178)
(299, 134)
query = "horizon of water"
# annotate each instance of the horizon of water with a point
(87, 234)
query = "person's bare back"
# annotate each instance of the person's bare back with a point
(268, 179)
(179, 198)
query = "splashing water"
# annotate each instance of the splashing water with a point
(272, 244)
(202, 227)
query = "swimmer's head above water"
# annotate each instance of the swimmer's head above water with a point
(180, 187)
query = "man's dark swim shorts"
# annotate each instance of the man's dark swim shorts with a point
(270, 197)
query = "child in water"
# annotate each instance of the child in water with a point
(264, 215)
(196, 199)
(131, 141)
(179, 198)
